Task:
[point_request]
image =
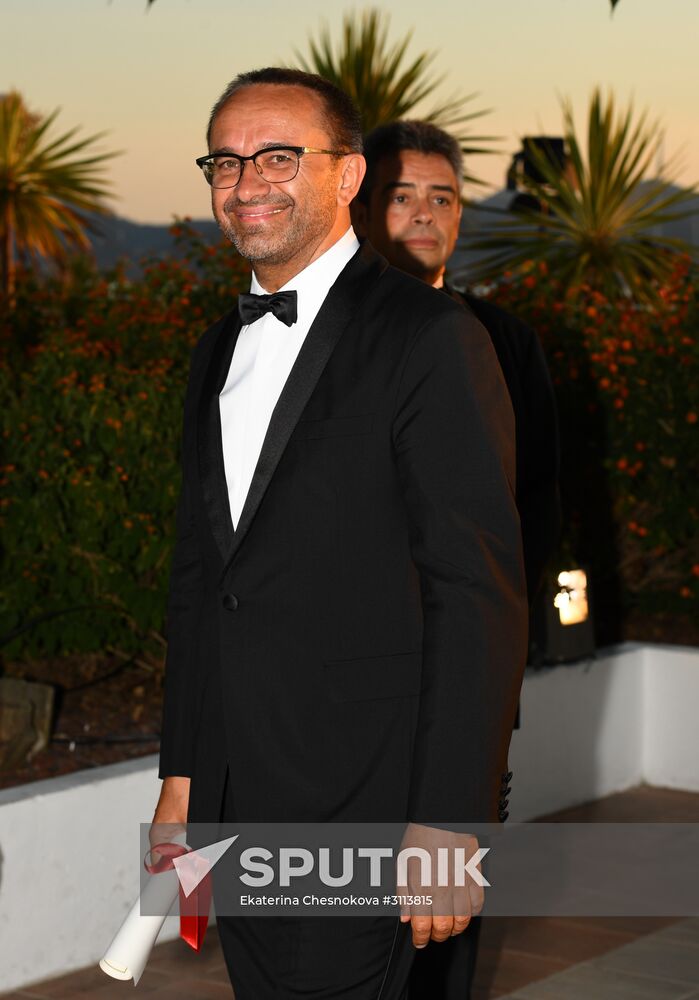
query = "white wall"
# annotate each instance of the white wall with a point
(69, 868)
(626, 717)
(671, 717)
(69, 846)
(581, 734)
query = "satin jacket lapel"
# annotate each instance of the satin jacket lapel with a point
(339, 308)
(210, 446)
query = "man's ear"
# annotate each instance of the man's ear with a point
(351, 177)
(359, 213)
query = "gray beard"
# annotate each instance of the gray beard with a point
(282, 247)
(253, 246)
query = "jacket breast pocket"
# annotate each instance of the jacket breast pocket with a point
(334, 426)
(394, 676)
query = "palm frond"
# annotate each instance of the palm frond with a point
(49, 187)
(598, 219)
(386, 83)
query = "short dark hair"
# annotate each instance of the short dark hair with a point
(342, 118)
(394, 137)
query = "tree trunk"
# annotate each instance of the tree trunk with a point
(7, 259)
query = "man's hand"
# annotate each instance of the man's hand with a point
(452, 905)
(170, 817)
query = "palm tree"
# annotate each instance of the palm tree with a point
(384, 84)
(48, 189)
(594, 220)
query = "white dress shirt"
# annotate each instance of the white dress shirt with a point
(263, 357)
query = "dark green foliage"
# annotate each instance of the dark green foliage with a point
(92, 385)
(626, 382)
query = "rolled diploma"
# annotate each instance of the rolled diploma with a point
(128, 953)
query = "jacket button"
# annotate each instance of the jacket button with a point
(230, 602)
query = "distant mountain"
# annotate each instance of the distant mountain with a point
(119, 239)
(122, 239)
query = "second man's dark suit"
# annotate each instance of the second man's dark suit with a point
(439, 972)
(354, 649)
(526, 373)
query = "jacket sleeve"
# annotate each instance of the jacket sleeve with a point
(453, 435)
(185, 600)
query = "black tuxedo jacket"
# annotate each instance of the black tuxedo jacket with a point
(354, 650)
(528, 382)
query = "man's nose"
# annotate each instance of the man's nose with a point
(423, 213)
(251, 183)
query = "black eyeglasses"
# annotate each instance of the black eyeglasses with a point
(273, 163)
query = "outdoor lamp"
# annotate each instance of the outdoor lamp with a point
(571, 599)
(562, 626)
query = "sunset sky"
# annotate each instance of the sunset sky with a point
(150, 78)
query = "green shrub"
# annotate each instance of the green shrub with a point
(93, 382)
(91, 427)
(626, 382)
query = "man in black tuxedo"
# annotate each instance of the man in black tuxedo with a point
(347, 611)
(409, 206)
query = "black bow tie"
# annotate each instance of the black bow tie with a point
(281, 304)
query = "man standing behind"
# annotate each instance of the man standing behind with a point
(409, 206)
(347, 613)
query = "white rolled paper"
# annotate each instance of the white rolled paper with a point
(127, 955)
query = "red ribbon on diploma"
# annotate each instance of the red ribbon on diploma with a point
(194, 909)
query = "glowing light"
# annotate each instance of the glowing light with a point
(571, 599)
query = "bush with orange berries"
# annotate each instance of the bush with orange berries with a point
(625, 377)
(93, 379)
